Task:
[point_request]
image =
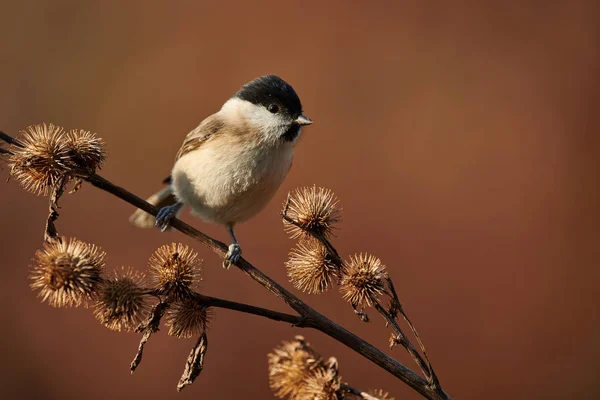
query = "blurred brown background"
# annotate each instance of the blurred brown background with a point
(462, 140)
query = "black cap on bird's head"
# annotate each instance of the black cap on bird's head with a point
(276, 95)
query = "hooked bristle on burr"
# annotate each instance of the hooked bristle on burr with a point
(175, 269)
(67, 272)
(122, 303)
(363, 280)
(313, 210)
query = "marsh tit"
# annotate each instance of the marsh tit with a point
(231, 165)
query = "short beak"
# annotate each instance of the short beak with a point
(303, 120)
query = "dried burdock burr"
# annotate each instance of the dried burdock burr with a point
(323, 383)
(312, 210)
(122, 303)
(363, 280)
(175, 269)
(47, 155)
(188, 318)
(310, 267)
(298, 372)
(289, 366)
(42, 160)
(86, 150)
(67, 272)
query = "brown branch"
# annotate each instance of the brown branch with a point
(208, 301)
(389, 316)
(311, 318)
(395, 308)
(9, 139)
(401, 339)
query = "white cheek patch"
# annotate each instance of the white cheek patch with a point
(271, 125)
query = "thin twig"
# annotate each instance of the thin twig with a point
(402, 339)
(395, 308)
(216, 302)
(208, 301)
(9, 139)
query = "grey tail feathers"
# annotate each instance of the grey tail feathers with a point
(160, 199)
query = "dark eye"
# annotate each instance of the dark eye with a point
(274, 108)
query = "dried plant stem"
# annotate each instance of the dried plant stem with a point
(389, 316)
(248, 309)
(9, 139)
(312, 318)
(401, 339)
(309, 317)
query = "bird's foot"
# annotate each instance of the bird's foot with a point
(166, 215)
(233, 255)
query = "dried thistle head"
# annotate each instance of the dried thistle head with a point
(43, 159)
(67, 272)
(49, 154)
(188, 318)
(86, 151)
(122, 301)
(314, 210)
(310, 267)
(289, 366)
(381, 394)
(175, 269)
(363, 279)
(322, 384)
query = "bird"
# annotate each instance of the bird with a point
(230, 166)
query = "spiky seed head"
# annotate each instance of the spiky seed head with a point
(175, 269)
(42, 161)
(363, 280)
(310, 267)
(188, 318)
(381, 394)
(86, 150)
(314, 210)
(321, 384)
(67, 272)
(49, 154)
(122, 303)
(289, 366)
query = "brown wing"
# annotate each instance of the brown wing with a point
(196, 138)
